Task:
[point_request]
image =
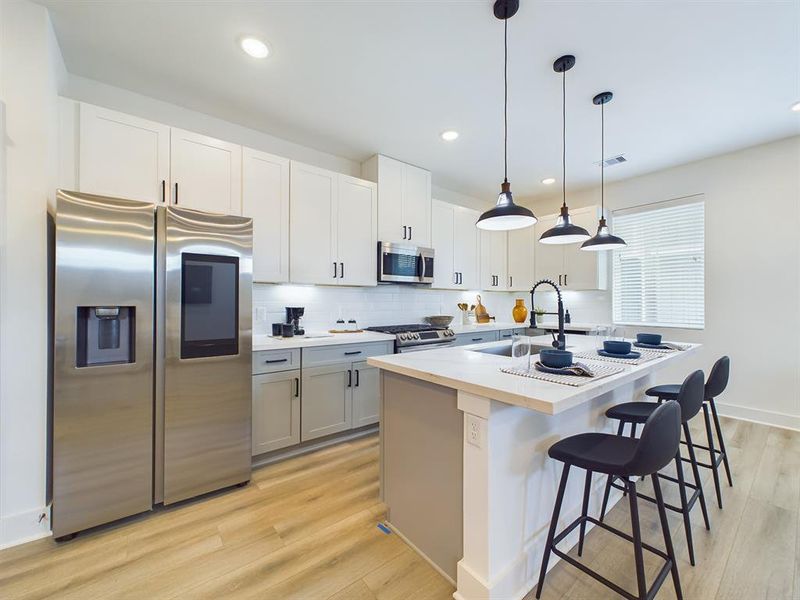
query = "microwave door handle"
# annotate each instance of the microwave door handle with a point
(422, 264)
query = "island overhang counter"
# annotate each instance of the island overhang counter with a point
(465, 474)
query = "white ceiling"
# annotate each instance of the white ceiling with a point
(691, 79)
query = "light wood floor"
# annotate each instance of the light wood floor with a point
(307, 529)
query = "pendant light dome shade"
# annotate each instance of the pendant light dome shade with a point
(603, 240)
(564, 231)
(505, 215)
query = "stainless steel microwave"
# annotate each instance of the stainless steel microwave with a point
(402, 263)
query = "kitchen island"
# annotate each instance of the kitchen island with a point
(465, 474)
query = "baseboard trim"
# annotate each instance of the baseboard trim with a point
(24, 527)
(760, 416)
(410, 544)
(280, 455)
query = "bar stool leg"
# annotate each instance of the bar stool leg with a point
(637, 539)
(687, 525)
(585, 510)
(696, 472)
(712, 453)
(721, 441)
(662, 515)
(552, 532)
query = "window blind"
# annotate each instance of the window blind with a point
(659, 278)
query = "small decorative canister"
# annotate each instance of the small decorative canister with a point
(520, 311)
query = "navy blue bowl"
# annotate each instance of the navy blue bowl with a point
(651, 339)
(555, 359)
(617, 347)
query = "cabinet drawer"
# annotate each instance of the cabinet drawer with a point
(328, 355)
(465, 339)
(507, 334)
(272, 361)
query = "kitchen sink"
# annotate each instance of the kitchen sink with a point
(505, 349)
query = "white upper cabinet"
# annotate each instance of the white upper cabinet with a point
(123, 156)
(521, 249)
(404, 200)
(265, 198)
(455, 240)
(567, 265)
(333, 230)
(206, 173)
(312, 237)
(494, 254)
(357, 231)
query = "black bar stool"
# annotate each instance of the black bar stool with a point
(625, 458)
(690, 399)
(715, 385)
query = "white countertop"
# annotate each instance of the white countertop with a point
(458, 328)
(479, 373)
(570, 326)
(317, 338)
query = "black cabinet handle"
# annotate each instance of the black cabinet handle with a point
(409, 232)
(506, 335)
(405, 232)
(460, 278)
(296, 387)
(357, 378)
(276, 361)
(565, 279)
(164, 190)
(341, 264)
(510, 281)
(559, 280)
(353, 353)
(476, 339)
(349, 378)
(455, 278)
(176, 193)
(335, 275)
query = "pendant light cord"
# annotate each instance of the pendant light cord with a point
(505, 102)
(602, 159)
(564, 137)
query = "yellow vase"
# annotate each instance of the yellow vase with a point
(520, 311)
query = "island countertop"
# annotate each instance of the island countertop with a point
(464, 369)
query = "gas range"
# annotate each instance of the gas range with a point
(414, 337)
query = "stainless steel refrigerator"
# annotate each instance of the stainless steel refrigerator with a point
(152, 357)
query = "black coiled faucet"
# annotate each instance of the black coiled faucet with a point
(561, 341)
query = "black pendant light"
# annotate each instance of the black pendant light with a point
(506, 215)
(603, 240)
(564, 231)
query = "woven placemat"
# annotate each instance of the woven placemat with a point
(646, 355)
(661, 350)
(600, 371)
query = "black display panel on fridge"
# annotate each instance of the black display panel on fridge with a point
(209, 305)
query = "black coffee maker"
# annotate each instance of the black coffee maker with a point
(293, 316)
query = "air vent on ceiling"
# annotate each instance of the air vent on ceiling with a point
(612, 160)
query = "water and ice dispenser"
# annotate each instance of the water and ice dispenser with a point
(106, 335)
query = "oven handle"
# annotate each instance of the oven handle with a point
(422, 347)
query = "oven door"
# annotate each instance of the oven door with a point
(400, 263)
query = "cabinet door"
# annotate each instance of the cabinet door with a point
(390, 200)
(366, 394)
(312, 234)
(521, 248)
(549, 258)
(122, 156)
(465, 247)
(265, 198)
(207, 173)
(276, 411)
(443, 243)
(417, 205)
(357, 231)
(493, 260)
(327, 404)
(585, 270)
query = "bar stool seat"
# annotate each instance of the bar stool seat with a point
(632, 412)
(667, 391)
(597, 452)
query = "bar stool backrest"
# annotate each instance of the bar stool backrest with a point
(691, 395)
(718, 379)
(659, 441)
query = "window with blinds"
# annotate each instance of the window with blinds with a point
(659, 278)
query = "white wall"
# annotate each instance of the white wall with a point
(752, 269)
(31, 73)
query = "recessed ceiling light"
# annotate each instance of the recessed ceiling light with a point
(796, 106)
(549, 180)
(449, 135)
(254, 47)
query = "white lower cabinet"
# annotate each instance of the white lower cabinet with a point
(276, 411)
(327, 403)
(366, 394)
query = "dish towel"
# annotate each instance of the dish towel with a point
(600, 371)
(574, 369)
(646, 355)
(664, 347)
